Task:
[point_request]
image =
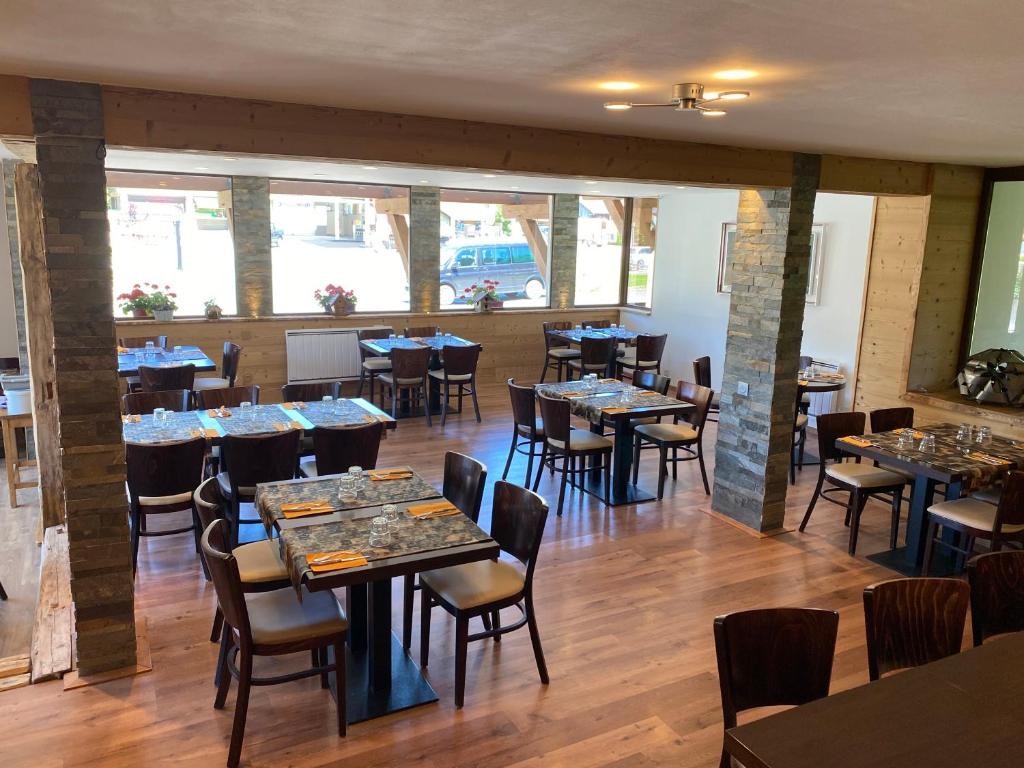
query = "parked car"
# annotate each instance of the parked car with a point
(639, 257)
(511, 264)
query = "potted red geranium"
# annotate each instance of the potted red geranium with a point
(336, 300)
(484, 296)
(149, 301)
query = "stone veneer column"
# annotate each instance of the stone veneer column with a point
(250, 224)
(766, 312)
(68, 125)
(565, 218)
(424, 249)
(7, 172)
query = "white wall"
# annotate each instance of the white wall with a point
(686, 304)
(8, 330)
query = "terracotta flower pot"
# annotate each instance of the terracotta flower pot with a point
(342, 308)
(140, 313)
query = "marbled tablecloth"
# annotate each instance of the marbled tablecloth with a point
(176, 427)
(607, 394)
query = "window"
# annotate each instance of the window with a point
(643, 235)
(352, 235)
(599, 250)
(498, 236)
(174, 231)
(997, 314)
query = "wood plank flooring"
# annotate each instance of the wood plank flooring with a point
(625, 601)
(19, 568)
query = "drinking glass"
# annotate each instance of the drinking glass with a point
(159, 414)
(579, 327)
(927, 444)
(356, 473)
(177, 347)
(614, 325)
(589, 328)
(905, 442)
(380, 532)
(963, 434)
(327, 398)
(401, 336)
(390, 513)
(983, 436)
(392, 337)
(346, 489)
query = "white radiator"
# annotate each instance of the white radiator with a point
(323, 354)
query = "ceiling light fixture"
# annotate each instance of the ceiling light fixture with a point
(687, 97)
(320, 174)
(590, 182)
(202, 168)
(735, 74)
(369, 167)
(490, 175)
(618, 85)
(424, 181)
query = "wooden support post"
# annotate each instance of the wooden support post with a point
(617, 211)
(538, 245)
(400, 229)
(39, 336)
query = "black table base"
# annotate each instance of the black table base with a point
(630, 494)
(943, 563)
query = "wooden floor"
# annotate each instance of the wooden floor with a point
(625, 599)
(19, 568)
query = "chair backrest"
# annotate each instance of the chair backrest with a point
(139, 342)
(9, 364)
(367, 334)
(229, 362)
(651, 348)
(597, 351)
(702, 371)
(652, 381)
(253, 459)
(420, 331)
(464, 481)
(888, 419)
(524, 404)
(209, 502)
(805, 361)
(227, 397)
(146, 402)
(518, 516)
(701, 398)
(555, 341)
(555, 413)
(597, 323)
(910, 622)
(832, 426)
(410, 363)
(338, 448)
(460, 361)
(171, 377)
(224, 573)
(165, 469)
(774, 656)
(1010, 510)
(997, 593)
(310, 392)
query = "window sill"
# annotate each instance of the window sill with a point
(644, 311)
(138, 321)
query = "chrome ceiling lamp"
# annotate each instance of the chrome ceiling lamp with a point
(687, 97)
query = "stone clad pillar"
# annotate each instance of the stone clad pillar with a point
(565, 215)
(68, 125)
(424, 249)
(766, 312)
(250, 226)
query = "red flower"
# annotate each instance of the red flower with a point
(473, 286)
(136, 286)
(173, 295)
(167, 288)
(136, 294)
(495, 283)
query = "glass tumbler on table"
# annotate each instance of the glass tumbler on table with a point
(380, 532)
(963, 434)
(905, 442)
(390, 513)
(927, 443)
(983, 436)
(346, 489)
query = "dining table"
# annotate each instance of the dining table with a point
(614, 403)
(962, 467)
(819, 383)
(576, 335)
(381, 678)
(961, 711)
(130, 358)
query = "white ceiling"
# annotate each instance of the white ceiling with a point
(927, 80)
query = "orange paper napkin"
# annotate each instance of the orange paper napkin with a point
(441, 508)
(218, 412)
(917, 435)
(297, 405)
(609, 381)
(802, 382)
(574, 393)
(306, 508)
(389, 474)
(614, 409)
(647, 393)
(323, 562)
(131, 419)
(860, 443)
(988, 459)
(122, 350)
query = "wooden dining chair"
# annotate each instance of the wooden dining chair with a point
(975, 519)
(335, 449)
(997, 593)
(860, 481)
(421, 331)
(371, 365)
(573, 446)
(652, 382)
(178, 400)
(250, 460)
(645, 356)
(557, 350)
(3, 592)
(484, 588)
(596, 356)
(687, 437)
(171, 377)
(527, 427)
(464, 482)
(161, 479)
(271, 624)
(409, 368)
(800, 419)
(139, 342)
(310, 392)
(702, 376)
(597, 324)
(230, 357)
(889, 419)
(228, 397)
(910, 622)
(459, 371)
(773, 657)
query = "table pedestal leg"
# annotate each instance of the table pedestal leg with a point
(379, 636)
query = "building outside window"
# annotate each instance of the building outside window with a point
(174, 231)
(599, 250)
(351, 235)
(643, 237)
(502, 237)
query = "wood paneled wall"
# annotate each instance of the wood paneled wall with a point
(512, 339)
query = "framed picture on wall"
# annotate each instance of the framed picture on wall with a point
(728, 246)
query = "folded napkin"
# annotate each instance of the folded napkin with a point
(917, 435)
(860, 443)
(297, 405)
(285, 427)
(441, 508)
(131, 419)
(614, 409)
(218, 412)
(389, 474)
(802, 382)
(207, 433)
(647, 393)
(323, 562)
(609, 381)
(370, 418)
(306, 509)
(122, 350)
(574, 393)
(988, 458)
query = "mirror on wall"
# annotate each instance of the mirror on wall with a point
(999, 312)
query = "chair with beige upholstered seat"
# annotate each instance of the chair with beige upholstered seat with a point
(976, 519)
(171, 377)
(249, 460)
(371, 365)
(161, 479)
(597, 355)
(485, 587)
(997, 593)
(409, 369)
(421, 331)
(527, 427)
(645, 356)
(860, 481)
(702, 376)
(557, 351)
(335, 449)
(271, 624)
(573, 446)
(686, 437)
(228, 369)
(459, 371)
(796, 454)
